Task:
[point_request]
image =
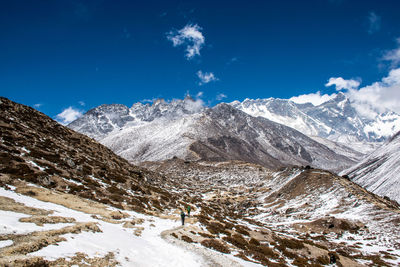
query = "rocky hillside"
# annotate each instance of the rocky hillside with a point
(185, 130)
(38, 150)
(380, 171)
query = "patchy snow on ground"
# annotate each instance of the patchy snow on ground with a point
(148, 249)
(10, 224)
(5, 243)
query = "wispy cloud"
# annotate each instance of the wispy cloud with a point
(82, 103)
(189, 36)
(68, 115)
(38, 105)
(194, 105)
(374, 22)
(232, 60)
(206, 77)
(341, 83)
(393, 55)
(148, 100)
(313, 98)
(221, 96)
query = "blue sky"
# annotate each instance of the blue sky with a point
(57, 54)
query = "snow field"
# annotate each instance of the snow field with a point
(147, 250)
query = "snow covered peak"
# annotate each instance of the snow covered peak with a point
(335, 119)
(104, 119)
(168, 110)
(338, 98)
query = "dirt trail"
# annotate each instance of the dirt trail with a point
(211, 258)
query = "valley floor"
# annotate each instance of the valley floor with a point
(292, 217)
(35, 231)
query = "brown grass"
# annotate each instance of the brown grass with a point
(301, 262)
(206, 235)
(40, 220)
(187, 239)
(242, 230)
(237, 240)
(324, 260)
(254, 241)
(216, 245)
(216, 228)
(290, 243)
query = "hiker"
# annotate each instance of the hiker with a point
(188, 210)
(183, 217)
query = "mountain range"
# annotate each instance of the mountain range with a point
(187, 130)
(270, 132)
(336, 120)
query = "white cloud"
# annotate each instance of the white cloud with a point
(194, 105)
(82, 103)
(68, 115)
(221, 96)
(370, 100)
(191, 37)
(313, 98)
(232, 60)
(379, 96)
(38, 105)
(199, 94)
(148, 100)
(206, 77)
(393, 55)
(341, 83)
(374, 22)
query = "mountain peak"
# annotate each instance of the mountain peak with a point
(158, 101)
(340, 96)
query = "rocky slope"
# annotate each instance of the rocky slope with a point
(336, 120)
(38, 150)
(185, 130)
(380, 171)
(307, 217)
(67, 200)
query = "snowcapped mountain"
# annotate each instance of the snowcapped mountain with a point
(380, 171)
(184, 129)
(336, 120)
(102, 120)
